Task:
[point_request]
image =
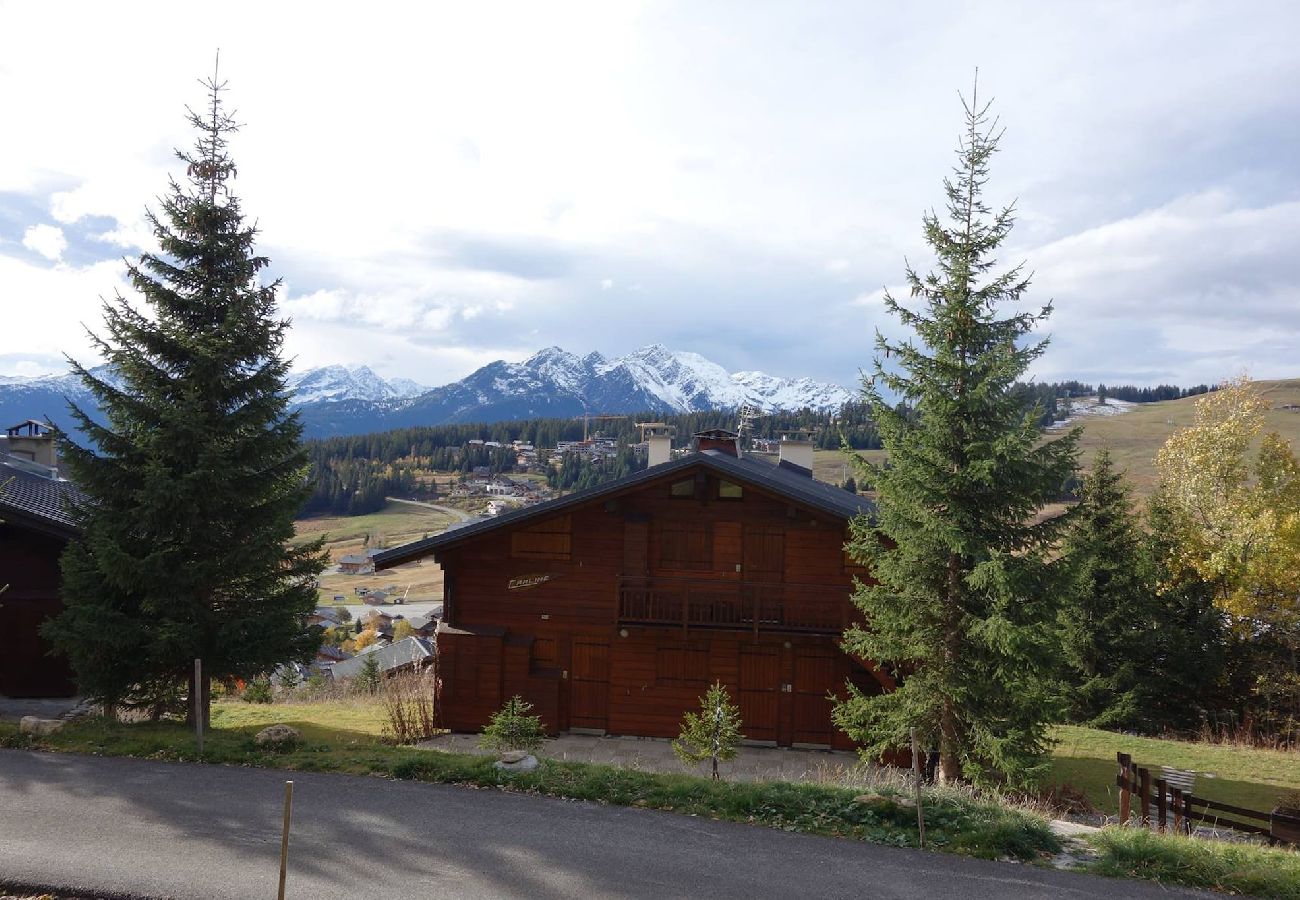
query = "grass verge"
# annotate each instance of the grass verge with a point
(1232, 868)
(955, 821)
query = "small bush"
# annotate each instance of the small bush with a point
(410, 707)
(512, 728)
(713, 734)
(369, 679)
(258, 691)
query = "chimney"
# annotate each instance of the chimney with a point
(33, 441)
(797, 449)
(659, 442)
(727, 442)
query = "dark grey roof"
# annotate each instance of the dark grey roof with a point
(36, 500)
(786, 480)
(353, 559)
(401, 653)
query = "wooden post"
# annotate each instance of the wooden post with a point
(284, 836)
(1187, 813)
(1161, 790)
(1178, 810)
(1125, 785)
(916, 776)
(1144, 783)
(198, 704)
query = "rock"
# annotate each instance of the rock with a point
(277, 736)
(525, 764)
(514, 756)
(38, 726)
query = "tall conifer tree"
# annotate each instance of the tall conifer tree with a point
(1110, 612)
(192, 485)
(963, 602)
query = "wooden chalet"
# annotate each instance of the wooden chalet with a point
(613, 609)
(34, 530)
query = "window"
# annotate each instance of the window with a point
(681, 666)
(729, 491)
(685, 545)
(683, 488)
(551, 539)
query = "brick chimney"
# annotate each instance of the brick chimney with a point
(718, 439)
(659, 442)
(797, 449)
(34, 442)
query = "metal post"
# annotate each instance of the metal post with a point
(198, 703)
(916, 776)
(284, 836)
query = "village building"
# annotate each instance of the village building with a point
(408, 654)
(34, 530)
(611, 610)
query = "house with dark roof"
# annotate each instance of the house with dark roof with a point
(612, 609)
(356, 564)
(399, 656)
(35, 527)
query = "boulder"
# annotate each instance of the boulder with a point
(526, 763)
(514, 756)
(38, 726)
(276, 736)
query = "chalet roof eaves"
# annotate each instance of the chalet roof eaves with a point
(790, 482)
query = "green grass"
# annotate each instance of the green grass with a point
(396, 522)
(346, 737)
(1231, 868)
(1244, 776)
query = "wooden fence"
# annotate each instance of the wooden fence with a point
(1177, 808)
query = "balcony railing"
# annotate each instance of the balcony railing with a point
(733, 605)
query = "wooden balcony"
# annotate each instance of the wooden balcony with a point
(733, 605)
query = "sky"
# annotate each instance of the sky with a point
(448, 184)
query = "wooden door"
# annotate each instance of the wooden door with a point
(814, 679)
(26, 667)
(760, 692)
(589, 684)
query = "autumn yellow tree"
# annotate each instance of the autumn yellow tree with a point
(1235, 516)
(365, 639)
(402, 629)
(1237, 509)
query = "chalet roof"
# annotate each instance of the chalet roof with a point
(36, 499)
(791, 482)
(353, 559)
(392, 656)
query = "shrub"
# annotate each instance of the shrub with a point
(512, 728)
(258, 691)
(410, 707)
(713, 734)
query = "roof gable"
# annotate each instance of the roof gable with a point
(792, 483)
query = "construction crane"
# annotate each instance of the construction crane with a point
(587, 419)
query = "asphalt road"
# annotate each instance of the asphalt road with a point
(151, 829)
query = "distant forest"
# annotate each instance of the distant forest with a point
(353, 474)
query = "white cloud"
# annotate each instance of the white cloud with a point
(745, 187)
(47, 240)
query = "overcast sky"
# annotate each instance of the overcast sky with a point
(476, 181)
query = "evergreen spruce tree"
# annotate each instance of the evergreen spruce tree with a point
(1109, 617)
(192, 485)
(963, 599)
(712, 734)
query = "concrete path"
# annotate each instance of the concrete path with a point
(150, 829)
(656, 755)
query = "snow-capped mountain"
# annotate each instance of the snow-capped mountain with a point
(334, 383)
(552, 382)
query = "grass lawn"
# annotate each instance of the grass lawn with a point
(1231, 868)
(1243, 776)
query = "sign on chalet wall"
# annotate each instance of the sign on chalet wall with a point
(523, 582)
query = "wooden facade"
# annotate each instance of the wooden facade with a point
(614, 611)
(34, 530)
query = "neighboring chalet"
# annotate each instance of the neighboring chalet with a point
(612, 609)
(412, 653)
(34, 530)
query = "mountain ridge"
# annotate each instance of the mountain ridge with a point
(338, 399)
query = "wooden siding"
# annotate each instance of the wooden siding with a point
(29, 565)
(535, 617)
